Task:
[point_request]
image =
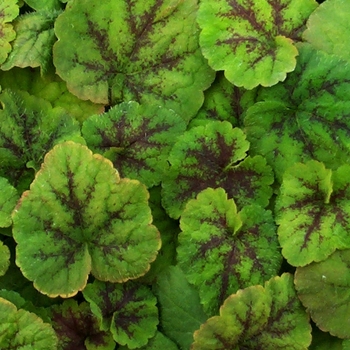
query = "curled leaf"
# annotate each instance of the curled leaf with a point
(80, 217)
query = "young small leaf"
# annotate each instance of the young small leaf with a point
(136, 138)
(252, 41)
(258, 318)
(214, 156)
(324, 289)
(80, 217)
(4, 258)
(128, 310)
(8, 199)
(143, 51)
(221, 251)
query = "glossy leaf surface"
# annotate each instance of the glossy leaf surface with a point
(128, 310)
(215, 155)
(257, 317)
(136, 138)
(80, 217)
(222, 251)
(252, 41)
(306, 117)
(143, 51)
(313, 212)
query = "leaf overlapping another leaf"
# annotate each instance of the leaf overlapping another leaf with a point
(313, 212)
(269, 317)
(215, 155)
(136, 138)
(252, 41)
(221, 251)
(306, 117)
(80, 217)
(118, 51)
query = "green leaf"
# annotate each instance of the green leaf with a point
(4, 258)
(313, 212)
(324, 341)
(128, 310)
(8, 199)
(77, 328)
(136, 138)
(9, 10)
(142, 51)
(221, 251)
(328, 26)
(45, 4)
(258, 318)
(49, 87)
(30, 127)
(324, 289)
(306, 117)
(35, 37)
(80, 217)
(252, 41)
(180, 310)
(20, 329)
(215, 155)
(158, 342)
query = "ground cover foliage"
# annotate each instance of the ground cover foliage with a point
(174, 174)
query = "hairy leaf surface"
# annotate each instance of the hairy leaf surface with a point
(128, 310)
(252, 41)
(80, 217)
(215, 155)
(118, 51)
(136, 138)
(8, 199)
(4, 258)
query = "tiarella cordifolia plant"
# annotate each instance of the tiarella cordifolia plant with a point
(174, 174)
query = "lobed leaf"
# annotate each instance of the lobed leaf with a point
(128, 310)
(80, 217)
(136, 138)
(35, 37)
(77, 328)
(21, 329)
(253, 42)
(306, 117)
(313, 212)
(9, 10)
(323, 288)
(214, 155)
(221, 251)
(257, 317)
(327, 26)
(143, 51)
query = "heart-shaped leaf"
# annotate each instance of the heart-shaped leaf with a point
(142, 51)
(222, 251)
(313, 212)
(80, 217)
(215, 155)
(252, 41)
(128, 310)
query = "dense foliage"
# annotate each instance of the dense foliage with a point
(174, 174)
